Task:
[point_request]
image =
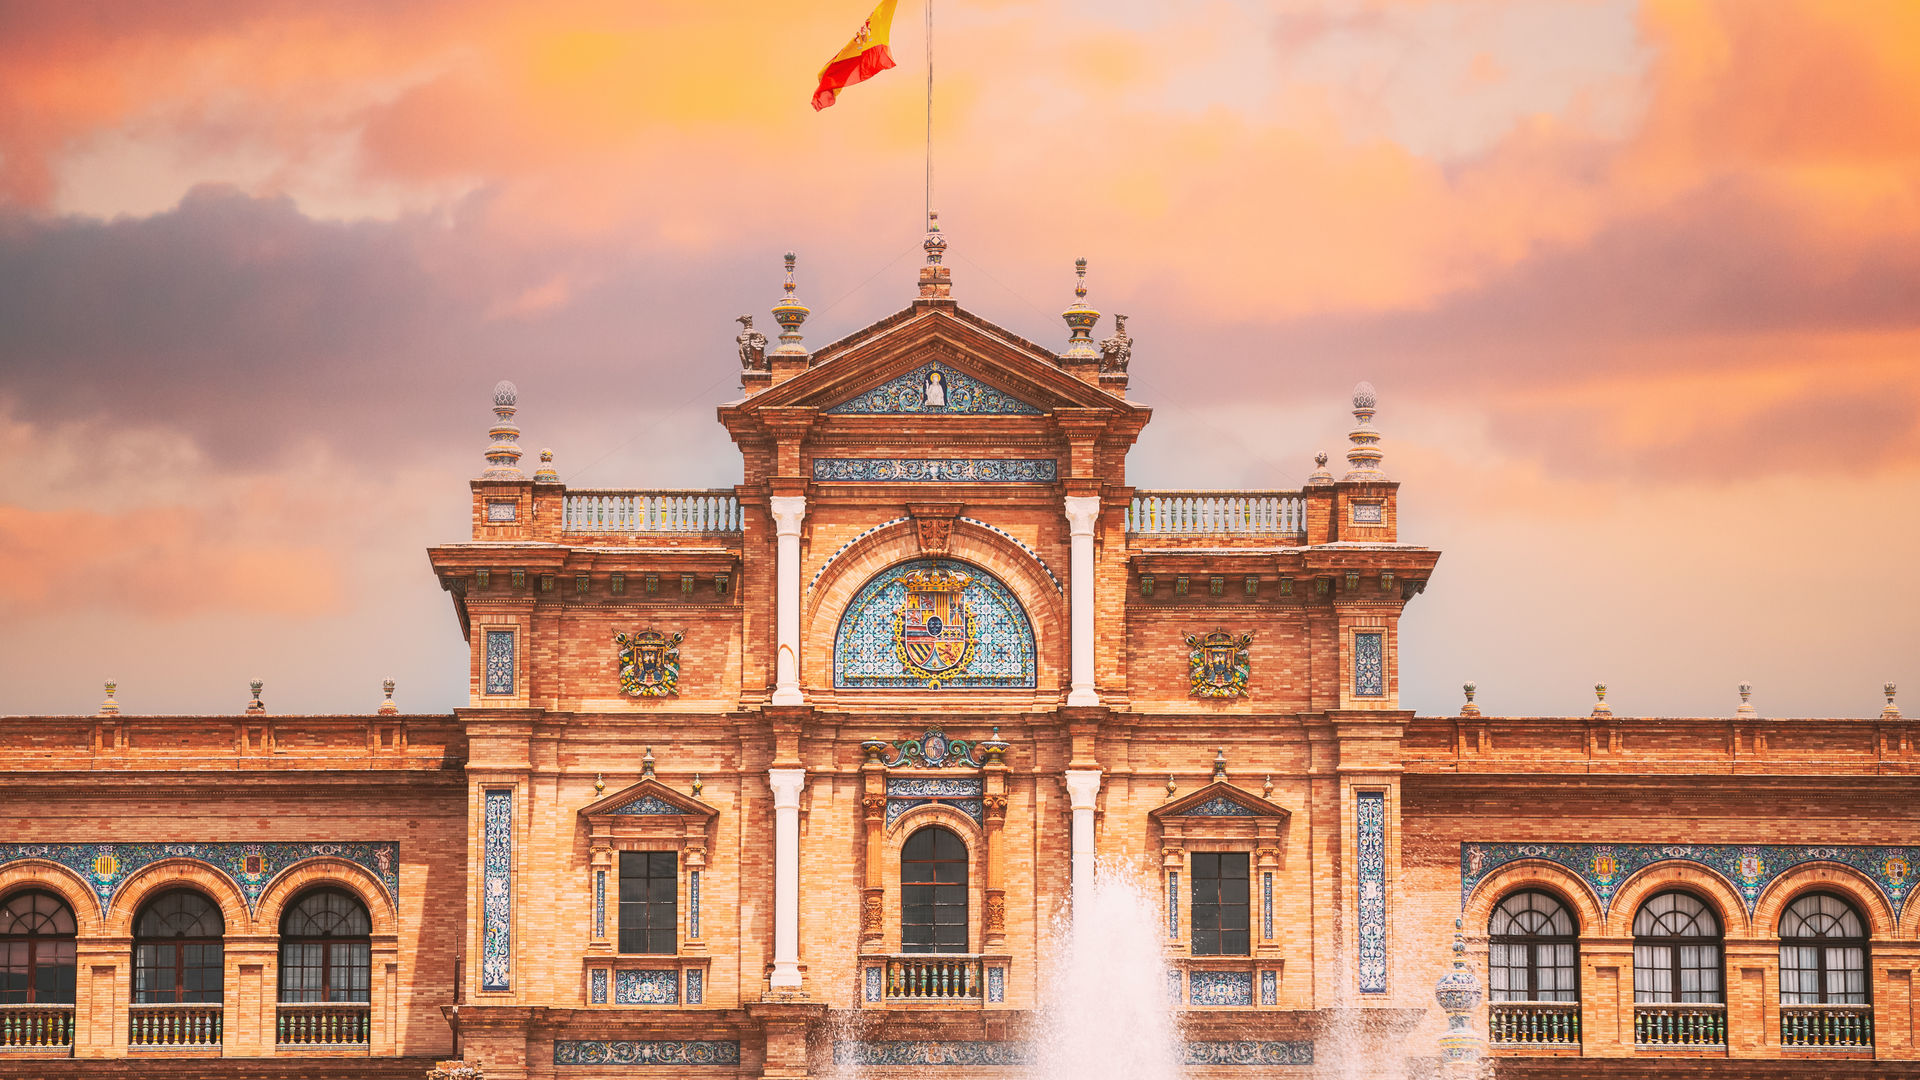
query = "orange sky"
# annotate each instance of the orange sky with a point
(1639, 284)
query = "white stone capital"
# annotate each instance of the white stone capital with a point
(1082, 512)
(1083, 787)
(788, 512)
(787, 785)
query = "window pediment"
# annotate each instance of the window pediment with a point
(1216, 801)
(647, 805)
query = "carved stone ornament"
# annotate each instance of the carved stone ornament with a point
(996, 917)
(753, 345)
(871, 912)
(1117, 350)
(649, 663)
(935, 535)
(1218, 666)
(934, 750)
(875, 806)
(996, 807)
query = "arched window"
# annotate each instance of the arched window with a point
(326, 948)
(1532, 941)
(1823, 952)
(933, 892)
(36, 939)
(178, 954)
(1676, 951)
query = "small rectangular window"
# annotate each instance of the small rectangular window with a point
(649, 901)
(1220, 909)
(499, 667)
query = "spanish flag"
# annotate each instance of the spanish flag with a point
(863, 58)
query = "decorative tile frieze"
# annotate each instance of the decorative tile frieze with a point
(106, 866)
(960, 792)
(693, 904)
(932, 1052)
(646, 987)
(1173, 905)
(1369, 513)
(1219, 988)
(1248, 1052)
(1370, 827)
(599, 903)
(646, 1052)
(496, 904)
(648, 805)
(501, 511)
(935, 389)
(936, 470)
(934, 624)
(499, 674)
(1748, 868)
(1266, 904)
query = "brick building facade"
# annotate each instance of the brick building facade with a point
(795, 778)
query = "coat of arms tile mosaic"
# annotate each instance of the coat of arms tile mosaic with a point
(933, 624)
(1748, 868)
(935, 388)
(250, 866)
(1370, 825)
(649, 663)
(1218, 664)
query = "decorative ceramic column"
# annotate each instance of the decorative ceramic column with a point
(788, 512)
(786, 784)
(1083, 787)
(1082, 512)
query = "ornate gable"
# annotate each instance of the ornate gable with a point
(653, 800)
(1222, 813)
(934, 389)
(1219, 800)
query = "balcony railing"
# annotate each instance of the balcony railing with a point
(1217, 513)
(611, 511)
(174, 1027)
(1827, 1027)
(334, 1024)
(1542, 1024)
(36, 1027)
(934, 978)
(1675, 1026)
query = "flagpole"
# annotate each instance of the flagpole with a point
(928, 216)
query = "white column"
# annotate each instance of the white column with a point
(1082, 512)
(786, 784)
(1083, 787)
(788, 512)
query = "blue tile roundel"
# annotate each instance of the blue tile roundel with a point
(934, 624)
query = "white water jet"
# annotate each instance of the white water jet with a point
(1107, 1015)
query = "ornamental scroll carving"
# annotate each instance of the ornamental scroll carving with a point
(871, 912)
(996, 914)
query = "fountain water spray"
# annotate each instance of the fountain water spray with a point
(1107, 1014)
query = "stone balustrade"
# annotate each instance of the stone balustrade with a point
(1835, 1027)
(186, 1026)
(1534, 1024)
(934, 977)
(1680, 1026)
(36, 1027)
(1221, 513)
(609, 510)
(329, 1024)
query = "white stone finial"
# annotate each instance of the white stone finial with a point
(1600, 706)
(1470, 689)
(110, 707)
(1320, 476)
(1892, 711)
(1746, 700)
(255, 706)
(1080, 319)
(546, 474)
(790, 313)
(503, 456)
(387, 707)
(1363, 459)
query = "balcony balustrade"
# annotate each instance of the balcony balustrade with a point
(36, 1027)
(1677, 1026)
(934, 977)
(332, 1025)
(1217, 513)
(1827, 1027)
(1534, 1024)
(628, 511)
(174, 1027)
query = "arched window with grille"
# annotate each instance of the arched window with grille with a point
(933, 892)
(1823, 952)
(1532, 949)
(178, 951)
(326, 948)
(37, 936)
(1677, 943)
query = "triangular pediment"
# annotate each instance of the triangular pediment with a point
(1219, 800)
(649, 798)
(882, 370)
